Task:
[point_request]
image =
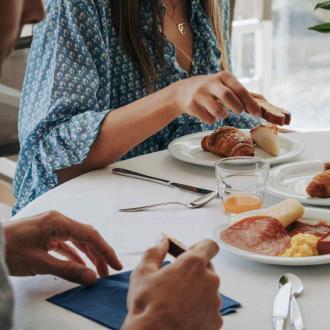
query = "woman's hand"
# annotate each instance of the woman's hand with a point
(29, 241)
(208, 97)
(182, 295)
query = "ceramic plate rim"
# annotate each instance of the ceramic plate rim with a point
(298, 149)
(309, 201)
(284, 261)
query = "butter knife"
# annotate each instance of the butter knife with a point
(281, 306)
(136, 175)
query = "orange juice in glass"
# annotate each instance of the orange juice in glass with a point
(242, 182)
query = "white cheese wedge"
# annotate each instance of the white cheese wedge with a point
(287, 211)
(266, 137)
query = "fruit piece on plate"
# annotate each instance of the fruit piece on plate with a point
(287, 211)
(323, 245)
(273, 114)
(266, 137)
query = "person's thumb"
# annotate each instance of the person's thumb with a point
(69, 270)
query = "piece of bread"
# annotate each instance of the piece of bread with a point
(175, 248)
(273, 114)
(320, 186)
(228, 142)
(266, 137)
(327, 166)
(287, 211)
(323, 245)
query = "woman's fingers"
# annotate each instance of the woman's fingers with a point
(214, 106)
(258, 96)
(203, 114)
(246, 99)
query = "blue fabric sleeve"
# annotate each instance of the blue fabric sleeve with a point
(66, 93)
(67, 84)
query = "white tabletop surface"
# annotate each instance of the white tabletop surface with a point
(95, 198)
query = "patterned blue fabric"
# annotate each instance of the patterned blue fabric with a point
(77, 73)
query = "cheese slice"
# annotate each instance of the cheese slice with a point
(287, 211)
(266, 137)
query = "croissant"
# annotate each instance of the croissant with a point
(228, 142)
(320, 186)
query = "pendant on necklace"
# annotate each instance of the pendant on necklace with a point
(182, 28)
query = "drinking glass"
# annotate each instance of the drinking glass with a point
(241, 183)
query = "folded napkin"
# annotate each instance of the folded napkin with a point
(105, 301)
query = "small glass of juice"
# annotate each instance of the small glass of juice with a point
(242, 182)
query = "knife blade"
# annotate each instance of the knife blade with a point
(136, 175)
(281, 306)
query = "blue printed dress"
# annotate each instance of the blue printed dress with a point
(77, 73)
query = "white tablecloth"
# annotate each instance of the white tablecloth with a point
(95, 198)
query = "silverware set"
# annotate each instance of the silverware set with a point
(208, 195)
(290, 286)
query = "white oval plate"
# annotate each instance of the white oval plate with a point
(291, 180)
(188, 149)
(310, 213)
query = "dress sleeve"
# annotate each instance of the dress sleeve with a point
(66, 93)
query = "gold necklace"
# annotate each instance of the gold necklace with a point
(181, 26)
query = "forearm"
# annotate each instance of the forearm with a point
(124, 128)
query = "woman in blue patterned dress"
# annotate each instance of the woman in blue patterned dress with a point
(113, 79)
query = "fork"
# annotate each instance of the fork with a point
(199, 202)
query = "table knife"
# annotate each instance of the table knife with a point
(131, 174)
(281, 306)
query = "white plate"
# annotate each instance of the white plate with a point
(188, 149)
(291, 180)
(310, 213)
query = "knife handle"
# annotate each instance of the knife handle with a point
(136, 175)
(297, 322)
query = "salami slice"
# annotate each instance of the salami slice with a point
(319, 229)
(259, 234)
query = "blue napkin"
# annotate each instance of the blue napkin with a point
(105, 301)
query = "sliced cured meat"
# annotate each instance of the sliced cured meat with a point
(323, 245)
(259, 234)
(320, 229)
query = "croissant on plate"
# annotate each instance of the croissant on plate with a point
(228, 142)
(320, 186)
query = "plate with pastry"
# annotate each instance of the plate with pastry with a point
(285, 234)
(264, 141)
(308, 181)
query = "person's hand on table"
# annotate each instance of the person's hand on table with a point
(208, 97)
(182, 295)
(29, 241)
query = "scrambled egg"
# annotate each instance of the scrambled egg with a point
(302, 245)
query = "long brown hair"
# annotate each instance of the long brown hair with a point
(125, 15)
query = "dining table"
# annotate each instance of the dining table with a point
(96, 197)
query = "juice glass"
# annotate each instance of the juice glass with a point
(242, 182)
